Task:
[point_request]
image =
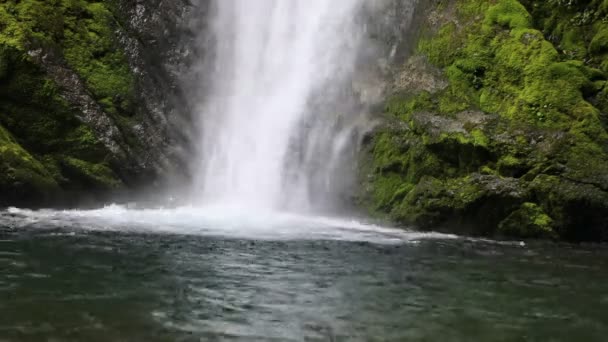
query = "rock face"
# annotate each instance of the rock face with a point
(496, 123)
(84, 112)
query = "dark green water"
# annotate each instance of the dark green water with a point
(66, 284)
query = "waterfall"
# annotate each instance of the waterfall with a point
(271, 136)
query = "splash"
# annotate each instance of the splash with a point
(211, 221)
(270, 135)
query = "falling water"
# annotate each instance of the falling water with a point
(271, 136)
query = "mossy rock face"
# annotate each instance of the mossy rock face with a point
(529, 221)
(21, 175)
(45, 129)
(36, 114)
(93, 81)
(472, 204)
(578, 209)
(96, 177)
(82, 34)
(515, 144)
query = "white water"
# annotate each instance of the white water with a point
(216, 222)
(269, 138)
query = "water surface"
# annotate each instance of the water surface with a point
(96, 276)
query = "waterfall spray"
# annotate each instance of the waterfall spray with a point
(268, 137)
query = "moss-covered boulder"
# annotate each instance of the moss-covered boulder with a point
(512, 140)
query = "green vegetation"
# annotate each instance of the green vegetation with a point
(519, 106)
(20, 173)
(96, 176)
(529, 221)
(82, 31)
(48, 139)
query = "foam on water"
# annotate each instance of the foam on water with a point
(228, 222)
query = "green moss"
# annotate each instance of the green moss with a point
(539, 69)
(433, 201)
(599, 43)
(403, 107)
(90, 48)
(578, 209)
(529, 221)
(80, 34)
(389, 190)
(84, 32)
(38, 116)
(487, 170)
(479, 138)
(43, 124)
(509, 161)
(94, 176)
(424, 205)
(577, 28)
(508, 14)
(504, 66)
(20, 173)
(442, 49)
(511, 166)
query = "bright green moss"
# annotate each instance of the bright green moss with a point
(529, 221)
(405, 155)
(452, 100)
(509, 160)
(403, 107)
(504, 66)
(432, 198)
(571, 45)
(442, 49)
(539, 69)
(90, 48)
(423, 205)
(508, 14)
(84, 32)
(577, 28)
(389, 190)
(479, 138)
(389, 152)
(80, 34)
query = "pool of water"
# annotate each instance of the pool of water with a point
(121, 275)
